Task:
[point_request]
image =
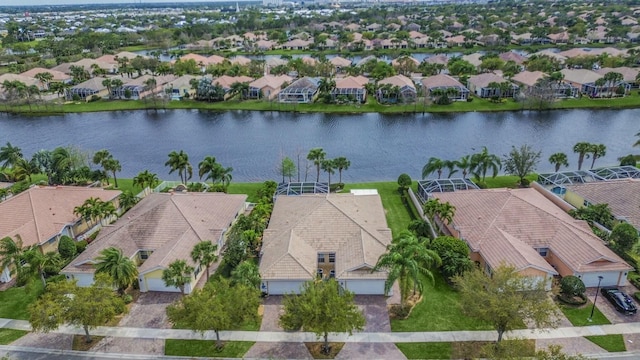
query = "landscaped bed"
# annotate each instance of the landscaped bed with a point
(315, 349)
(579, 315)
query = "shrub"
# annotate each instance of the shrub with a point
(67, 247)
(81, 245)
(127, 298)
(481, 184)
(94, 98)
(629, 160)
(572, 286)
(404, 180)
(624, 236)
(525, 182)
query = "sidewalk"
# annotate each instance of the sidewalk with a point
(376, 337)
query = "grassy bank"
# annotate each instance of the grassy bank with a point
(477, 105)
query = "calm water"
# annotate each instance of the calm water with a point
(380, 147)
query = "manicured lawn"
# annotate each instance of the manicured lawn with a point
(250, 189)
(439, 311)
(507, 181)
(398, 214)
(436, 350)
(611, 343)
(8, 336)
(125, 185)
(14, 301)
(206, 348)
(579, 315)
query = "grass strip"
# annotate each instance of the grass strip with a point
(206, 348)
(611, 343)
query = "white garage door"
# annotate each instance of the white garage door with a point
(283, 287)
(608, 279)
(158, 285)
(365, 287)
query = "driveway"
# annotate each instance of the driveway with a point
(46, 341)
(609, 310)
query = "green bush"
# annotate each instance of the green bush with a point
(127, 298)
(481, 184)
(404, 180)
(572, 286)
(67, 247)
(81, 245)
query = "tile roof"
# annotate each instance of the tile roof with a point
(352, 82)
(40, 213)
(340, 61)
(483, 80)
(168, 224)
(57, 75)
(580, 76)
(623, 197)
(272, 81)
(628, 74)
(512, 56)
(529, 78)
(15, 77)
(489, 219)
(398, 80)
(440, 80)
(352, 226)
(226, 81)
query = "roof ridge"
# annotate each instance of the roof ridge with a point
(491, 224)
(362, 228)
(35, 219)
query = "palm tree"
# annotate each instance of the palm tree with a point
(113, 166)
(582, 149)
(24, 169)
(180, 161)
(45, 78)
(38, 263)
(127, 200)
(205, 253)
(433, 207)
(11, 253)
(341, 163)
(406, 258)
(450, 164)
(317, 156)
(222, 174)
(433, 165)
(146, 178)
(178, 274)
(329, 167)
(122, 269)
(483, 161)
(558, 160)
(246, 273)
(597, 151)
(464, 164)
(9, 155)
(207, 167)
(107, 83)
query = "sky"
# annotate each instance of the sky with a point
(88, 2)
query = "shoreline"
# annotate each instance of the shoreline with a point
(631, 101)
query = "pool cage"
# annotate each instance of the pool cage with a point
(428, 187)
(301, 188)
(587, 176)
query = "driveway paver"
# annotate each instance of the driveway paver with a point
(272, 310)
(374, 309)
(150, 311)
(609, 311)
(47, 341)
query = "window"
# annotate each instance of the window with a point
(320, 258)
(320, 273)
(332, 257)
(586, 203)
(332, 274)
(543, 251)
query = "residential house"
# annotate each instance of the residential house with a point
(226, 82)
(88, 65)
(27, 80)
(525, 228)
(586, 81)
(240, 60)
(337, 236)
(301, 91)
(628, 74)
(297, 44)
(87, 90)
(265, 45)
(268, 86)
(181, 87)
(479, 85)
(160, 229)
(445, 84)
(512, 56)
(340, 63)
(531, 82)
(398, 88)
(559, 38)
(58, 76)
(351, 88)
(137, 88)
(458, 40)
(40, 216)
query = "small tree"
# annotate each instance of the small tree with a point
(521, 162)
(246, 273)
(454, 254)
(404, 181)
(323, 308)
(624, 236)
(287, 168)
(178, 274)
(67, 247)
(505, 299)
(572, 286)
(217, 307)
(205, 253)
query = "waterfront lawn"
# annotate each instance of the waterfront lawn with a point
(251, 189)
(578, 315)
(125, 185)
(206, 348)
(439, 310)
(611, 343)
(8, 336)
(398, 214)
(14, 301)
(507, 181)
(435, 350)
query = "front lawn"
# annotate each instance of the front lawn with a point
(7, 336)
(435, 350)
(579, 315)
(14, 301)
(611, 343)
(439, 311)
(398, 214)
(206, 348)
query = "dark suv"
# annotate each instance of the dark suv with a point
(622, 302)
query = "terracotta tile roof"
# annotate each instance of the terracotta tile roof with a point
(512, 56)
(352, 82)
(160, 80)
(398, 80)
(628, 74)
(352, 226)
(623, 197)
(15, 77)
(483, 80)
(528, 78)
(182, 81)
(438, 59)
(168, 224)
(488, 218)
(396, 62)
(340, 61)
(215, 59)
(57, 75)
(226, 81)
(40, 213)
(240, 60)
(440, 80)
(580, 76)
(272, 81)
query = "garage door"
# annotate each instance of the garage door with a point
(158, 285)
(283, 287)
(608, 279)
(365, 287)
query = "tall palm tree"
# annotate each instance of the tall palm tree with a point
(464, 164)
(405, 260)
(451, 165)
(205, 253)
(179, 161)
(341, 163)
(445, 211)
(112, 165)
(146, 178)
(37, 263)
(329, 167)
(207, 167)
(317, 156)
(178, 274)
(11, 252)
(222, 174)
(582, 149)
(597, 151)
(127, 200)
(9, 155)
(45, 78)
(24, 169)
(433, 165)
(122, 269)
(558, 159)
(483, 161)
(246, 273)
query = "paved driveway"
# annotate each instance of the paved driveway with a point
(46, 341)
(609, 310)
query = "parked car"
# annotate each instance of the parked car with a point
(621, 301)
